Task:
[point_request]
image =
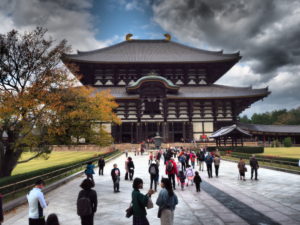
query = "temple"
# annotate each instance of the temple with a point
(166, 87)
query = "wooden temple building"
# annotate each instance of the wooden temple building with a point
(166, 87)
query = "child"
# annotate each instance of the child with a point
(182, 179)
(189, 174)
(197, 181)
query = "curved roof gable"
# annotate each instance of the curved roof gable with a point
(153, 78)
(151, 51)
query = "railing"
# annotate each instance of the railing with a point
(274, 160)
(11, 191)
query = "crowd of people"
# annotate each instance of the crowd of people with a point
(179, 165)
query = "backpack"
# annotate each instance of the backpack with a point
(84, 206)
(169, 166)
(152, 170)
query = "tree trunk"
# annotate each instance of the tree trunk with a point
(8, 162)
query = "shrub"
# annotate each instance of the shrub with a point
(275, 144)
(242, 149)
(287, 142)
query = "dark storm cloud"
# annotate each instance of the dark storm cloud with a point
(267, 33)
(257, 28)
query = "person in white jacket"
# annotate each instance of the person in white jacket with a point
(36, 203)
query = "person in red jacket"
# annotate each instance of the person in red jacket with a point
(171, 171)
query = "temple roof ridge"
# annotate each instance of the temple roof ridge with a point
(157, 50)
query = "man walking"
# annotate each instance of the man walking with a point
(36, 203)
(115, 175)
(209, 160)
(254, 166)
(101, 164)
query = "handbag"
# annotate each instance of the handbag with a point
(245, 169)
(129, 211)
(149, 203)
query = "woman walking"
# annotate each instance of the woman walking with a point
(139, 202)
(242, 169)
(167, 200)
(87, 202)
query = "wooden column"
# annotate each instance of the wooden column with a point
(183, 131)
(131, 132)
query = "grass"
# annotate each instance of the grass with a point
(291, 152)
(267, 164)
(55, 159)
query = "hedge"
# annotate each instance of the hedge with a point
(271, 159)
(20, 177)
(242, 149)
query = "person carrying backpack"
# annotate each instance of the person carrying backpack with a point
(153, 170)
(87, 202)
(171, 171)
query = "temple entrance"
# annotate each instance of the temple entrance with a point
(136, 133)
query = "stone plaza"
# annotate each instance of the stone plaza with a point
(273, 199)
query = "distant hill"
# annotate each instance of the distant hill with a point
(276, 117)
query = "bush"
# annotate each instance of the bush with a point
(242, 149)
(275, 144)
(287, 142)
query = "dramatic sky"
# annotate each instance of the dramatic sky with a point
(266, 32)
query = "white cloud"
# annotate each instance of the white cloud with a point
(68, 19)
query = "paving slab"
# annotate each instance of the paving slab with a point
(264, 196)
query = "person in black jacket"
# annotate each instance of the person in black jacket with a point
(254, 166)
(101, 164)
(115, 175)
(197, 181)
(130, 166)
(154, 171)
(91, 194)
(1, 210)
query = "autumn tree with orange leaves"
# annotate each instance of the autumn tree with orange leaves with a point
(38, 102)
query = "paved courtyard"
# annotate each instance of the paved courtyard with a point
(273, 199)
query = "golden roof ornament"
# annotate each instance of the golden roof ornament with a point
(128, 37)
(168, 37)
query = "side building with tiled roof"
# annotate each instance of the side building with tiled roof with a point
(165, 87)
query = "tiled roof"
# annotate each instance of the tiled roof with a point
(270, 128)
(150, 51)
(227, 130)
(211, 91)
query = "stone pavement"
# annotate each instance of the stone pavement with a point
(273, 199)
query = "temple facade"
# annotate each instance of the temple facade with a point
(165, 87)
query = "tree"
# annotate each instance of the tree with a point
(83, 115)
(35, 92)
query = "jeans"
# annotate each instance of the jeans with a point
(153, 179)
(100, 170)
(131, 172)
(255, 171)
(172, 178)
(209, 170)
(217, 170)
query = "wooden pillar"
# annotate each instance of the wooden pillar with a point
(131, 132)
(120, 133)
(183, 131)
